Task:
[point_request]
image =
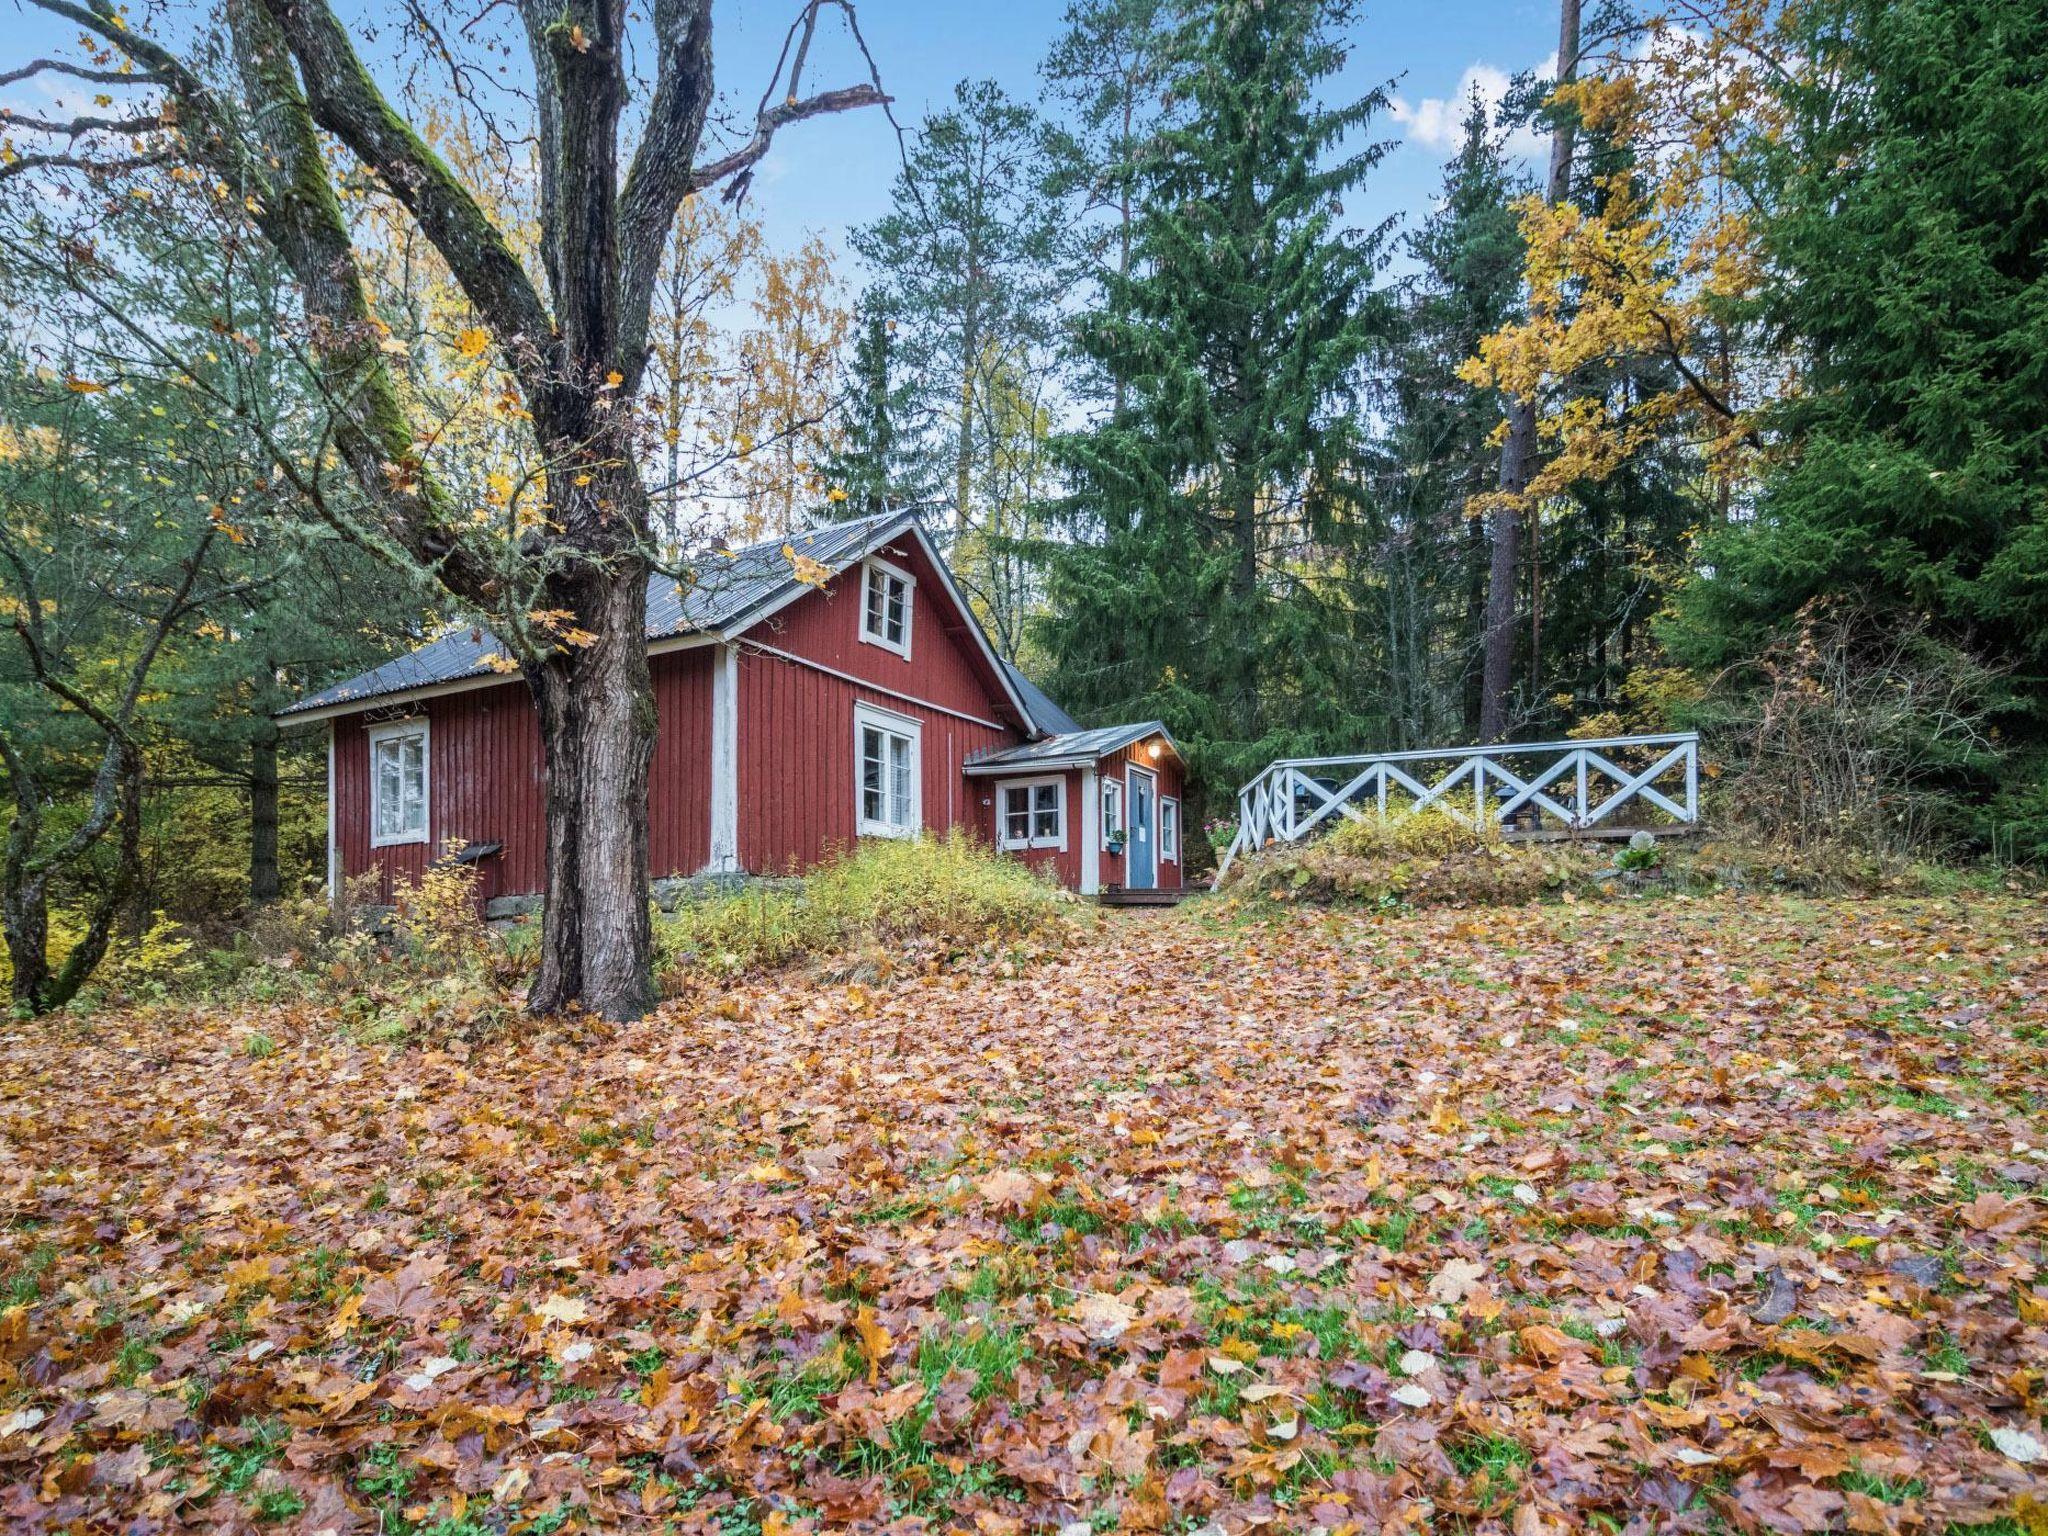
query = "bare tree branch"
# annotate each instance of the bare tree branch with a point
(79, 126)
(22, 164)
(781, 116)
(78, 71)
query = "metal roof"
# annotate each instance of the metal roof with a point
(1074, 747)
(732, 589)
(1046, 715)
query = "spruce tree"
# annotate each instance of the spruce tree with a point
(1908, 238)
(1437, 445)
(868, 470)
(1207, 512)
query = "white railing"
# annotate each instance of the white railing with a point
(1559, 787)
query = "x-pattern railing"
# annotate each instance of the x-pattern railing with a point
(1576, 785)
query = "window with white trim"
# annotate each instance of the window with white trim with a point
(398, 783)
(1169, 831)
(1112, 810)
(885, 602)
(887, 793)
(1032, 813)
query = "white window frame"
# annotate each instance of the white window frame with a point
(1169, 847)
(1010, 844)
(872, 569)
(1112, 787)
(871, 715)
(393, 730)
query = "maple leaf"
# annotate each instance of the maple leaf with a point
(1105, 1317)
(1999, 1214)
(635, 1284)
(567, 1310)
(1009, 1187)
(1456, 1280)
(409, 1293)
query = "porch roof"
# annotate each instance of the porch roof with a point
(1075, 749)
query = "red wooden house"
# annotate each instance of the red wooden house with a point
(795, 718)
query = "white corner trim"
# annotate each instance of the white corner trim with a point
(414, 725)
(333, 827)
(1011, 844)
(869, 568)
(864, 715)
(725, 760)
(1091, 833)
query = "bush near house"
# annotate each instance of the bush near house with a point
(910, 897)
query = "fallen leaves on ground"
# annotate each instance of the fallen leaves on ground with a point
(1688, 1215)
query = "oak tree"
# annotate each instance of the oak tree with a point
(561, 571)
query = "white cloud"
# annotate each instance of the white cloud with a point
(1438, 122)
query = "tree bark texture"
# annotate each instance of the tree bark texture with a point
(264, 884)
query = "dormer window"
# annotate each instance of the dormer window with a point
(886, 592)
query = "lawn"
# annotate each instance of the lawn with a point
(1717, 1214)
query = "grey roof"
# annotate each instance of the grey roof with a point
(730, 591)
(1045, 714)
(1070, 748)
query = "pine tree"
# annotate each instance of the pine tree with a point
(966, 265)
(1208, 512)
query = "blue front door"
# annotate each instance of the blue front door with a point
(1141, 858)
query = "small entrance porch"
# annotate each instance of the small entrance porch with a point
(1099, 811)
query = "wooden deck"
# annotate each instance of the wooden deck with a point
(1117, 896)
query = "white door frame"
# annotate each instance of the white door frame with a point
(1132, 773)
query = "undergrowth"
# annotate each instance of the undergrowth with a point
(1432, 859)
(908, 896)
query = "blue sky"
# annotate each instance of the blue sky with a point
(830, 174)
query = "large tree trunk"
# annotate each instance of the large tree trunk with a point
(598, 723)
(264, 884)
(1518, 451)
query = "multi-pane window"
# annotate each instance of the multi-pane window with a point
(1169, 831)
(1112, 811)
(887, 772)
(398, 783)
(885, 606)
(1033, 814)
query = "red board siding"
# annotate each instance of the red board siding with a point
(485, 781)
(1061, 864)
(483, 786)
(796, 760)
(945, 665)
(679, 788)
